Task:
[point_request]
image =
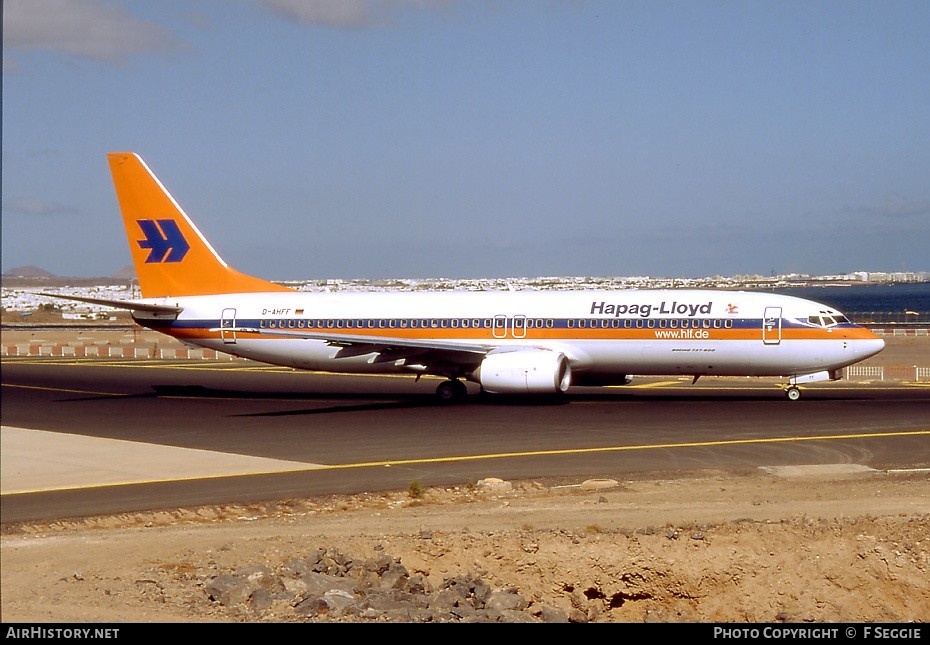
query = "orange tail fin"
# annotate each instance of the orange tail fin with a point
(171, 257)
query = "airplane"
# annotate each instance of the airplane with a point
(524, 342)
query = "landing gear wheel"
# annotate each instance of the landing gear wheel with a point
(793, 393)
(451, 391)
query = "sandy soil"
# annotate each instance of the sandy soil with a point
(817, 545)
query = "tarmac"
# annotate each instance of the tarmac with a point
(34, 460)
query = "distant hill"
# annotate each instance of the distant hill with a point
(126, 273)
(37, 277)
(27, 272)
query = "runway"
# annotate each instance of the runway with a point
(85, 437)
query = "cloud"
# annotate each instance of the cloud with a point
(81, 28)
(348, 13)
(893, 208)
(35, 208)
(897, 206)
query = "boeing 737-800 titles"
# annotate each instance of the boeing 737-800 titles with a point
(507, 342)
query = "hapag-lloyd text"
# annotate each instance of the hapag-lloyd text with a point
(648, 309)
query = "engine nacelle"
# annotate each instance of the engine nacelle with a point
(524, 371)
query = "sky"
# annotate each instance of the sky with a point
(475, 139)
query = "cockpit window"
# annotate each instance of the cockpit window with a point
(827, 320)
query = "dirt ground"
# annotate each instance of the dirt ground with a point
(816, 545)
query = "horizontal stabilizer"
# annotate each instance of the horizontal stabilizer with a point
(130, 305)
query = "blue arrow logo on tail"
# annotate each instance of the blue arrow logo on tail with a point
(165, 240)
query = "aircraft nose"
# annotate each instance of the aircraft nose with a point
(869, 347)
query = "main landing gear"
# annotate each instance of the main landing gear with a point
(451, 391)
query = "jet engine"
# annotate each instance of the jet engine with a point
(524, 371)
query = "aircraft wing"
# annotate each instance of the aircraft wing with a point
(434, 356)
(131, 305)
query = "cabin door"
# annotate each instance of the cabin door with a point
(499, 326)
(771, 326)
(228, 326)
(518, 327)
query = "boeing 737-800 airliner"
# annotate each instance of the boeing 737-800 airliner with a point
(507, 342)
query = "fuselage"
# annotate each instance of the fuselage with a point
(605, 335)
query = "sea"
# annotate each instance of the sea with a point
(892, 300)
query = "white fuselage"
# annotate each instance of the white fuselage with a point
(605, 335)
